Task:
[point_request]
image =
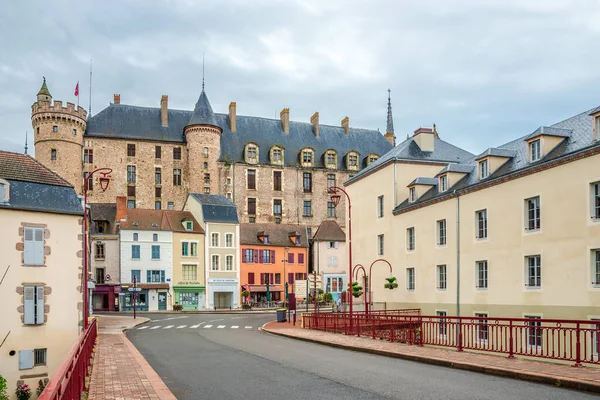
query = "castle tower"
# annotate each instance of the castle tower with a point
(58, 136)
(203, 137)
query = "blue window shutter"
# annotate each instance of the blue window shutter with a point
(40, 304)
(162, 276)
(148, 276)
(25, 359)
(29, 305)
(38, 238)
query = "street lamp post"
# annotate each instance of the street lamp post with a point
(371, 276)
(355, 270)
(335, 199)
(104, 181)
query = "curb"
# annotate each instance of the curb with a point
(269, 311)
(559, 382)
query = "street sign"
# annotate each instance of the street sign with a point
(134, 289)
(107, 278)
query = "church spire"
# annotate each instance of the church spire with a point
(389, 131)
(25, 142)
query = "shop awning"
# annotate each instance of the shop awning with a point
(263, 288)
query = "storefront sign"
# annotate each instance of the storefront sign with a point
(222, 280)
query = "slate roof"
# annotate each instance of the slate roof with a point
(159, 220)
(424, 181)
(461, 168)
(217, 208)
(580, 139)
(279, 234)
(493, 151)
(410, 150)
(21, 167)
(203, 113)
(549, 131)
(144, 123)
(104, 212)
(329, 231)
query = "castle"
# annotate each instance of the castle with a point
(275, 171)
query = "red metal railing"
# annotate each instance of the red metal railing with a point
(576, 341)
(68, 382)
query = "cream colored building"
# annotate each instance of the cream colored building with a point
(189, 273)
(512, 232)
(41, 247)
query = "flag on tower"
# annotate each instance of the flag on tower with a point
(77, 89)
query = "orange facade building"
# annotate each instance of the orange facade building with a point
(273, 253)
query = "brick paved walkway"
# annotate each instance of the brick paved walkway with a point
(583, 378)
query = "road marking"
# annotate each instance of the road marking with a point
(238, 317)
(196, 326)
(167, 319)
(208, 326)
(220, 326)
(143, 327)
(215, 320)
(234, 327)
(181, 326)
(247, 327)
(156, 327)
(168, 326)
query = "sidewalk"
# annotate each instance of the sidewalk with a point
(583, 378)
(119, 371)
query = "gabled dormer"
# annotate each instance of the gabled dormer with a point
(352, 158)
(295, 238)
(419, 187)
(307, 157)
(4, 191)
(263, 237)
(276, 154)
(543, 140)
(595, 114)
(251, 153)
(451, 174)
(188, 225)
(330, 159)
(371, 158)
(491, 159)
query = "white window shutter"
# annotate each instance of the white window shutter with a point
(29, 246)
(336, 245)
(29, 303)
(25, 359)
(39, 246)
(40, 305)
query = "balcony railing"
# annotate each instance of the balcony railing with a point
(68, 382)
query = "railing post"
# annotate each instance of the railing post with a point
(511, 351)
(578, 349)
(459, 332)
(358, 326)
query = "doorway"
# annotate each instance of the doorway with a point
(162, 301)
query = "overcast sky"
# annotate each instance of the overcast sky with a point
(485, 72)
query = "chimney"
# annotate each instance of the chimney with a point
(314, 120)
(284, 115)
(390, 137)
(424, 137)
(164, 110)
(117, 99)
(346, 125)
(232, 116)
(121, 208)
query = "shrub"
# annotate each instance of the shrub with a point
(391, 283)
(3, 395)
(177, 307)
(23, 392)
(40, 388)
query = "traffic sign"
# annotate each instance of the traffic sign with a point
(134, 289)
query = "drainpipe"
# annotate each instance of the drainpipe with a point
(395, 187)
(457, 254)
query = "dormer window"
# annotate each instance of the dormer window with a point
(276, 155)
(251, 153)
(307, 155)
(443, 183)
(331, 159)
(265, 239)
(101, 226)
(3, 192)
(535, 150)
(412, 195)
(188, 225)
(295, 238)
(352, 160)
(372, 158)
(483, 169)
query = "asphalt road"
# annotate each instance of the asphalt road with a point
(232, 359)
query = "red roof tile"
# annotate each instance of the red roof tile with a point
(21, 167)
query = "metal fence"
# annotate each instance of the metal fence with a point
(577, 341)
(68, 382)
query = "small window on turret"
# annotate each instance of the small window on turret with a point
(74, 132)
(53, 154)
(55, 128)
(38, 130)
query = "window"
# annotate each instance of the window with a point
(157, 192)
(277, 207)
(130, 203)
(228, 181)
(353, 160)
(214, 239)
(443, 183)
(136, 275)
(228, 195)
(157, 176)
(229, 263)
(251, 152)
(534, 150)
(157, 205)
(331, 158)
(277, 278)
(206, 165)
(215, 262)
(410, 239)
(251, 278)
(330, 209)
(100, 275)
(190, 272)
(155, 252)
(441, 234)
(482, 327)
(170, 205)
(442, 324)
(101, 226)
(99, 251)
(307, 208)
(534, 332)
(482, 274)
(155, 276)
(251, 179)
(131, 150)
(55, 128)
(135, 251)
(205, 152)
(300, 258)
(74, 132)
(206, 190)
(265, 255)
(373, 158)
(252, 220)
(332, 261)
(276, 180)
(534, 271)
(410, 278)
(248, 256)
(33, 246)
(482, 225)
(330, 181)
(596, 267)
(157, 152)
(596, 200)
(412, 195)
(380, 245)
(251, 206)
(207, 179)
(88, 156)
(332, 245)
(176, 153)
(155, 237)
(276, 154)
(176, 177)
(90, 182)
(131, 191)
(309, 232)
(33, 305)
(131, 174)
(297, 240)
(229, 240)
(441, 277)
(533, 213)
(307, 157)
(290, 259)
(380, 206)
(39, 357)
(483, 169)
(307, 182)
(189, 249)
(53, 154)
(135, 237)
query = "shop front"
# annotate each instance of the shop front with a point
(151, 297)
(258, 293)
(223, 293)
(106, 298)
(190, 297)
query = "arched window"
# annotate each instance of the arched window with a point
(251, 153)
(352, 160)
(330, 159)
(135, 237)
(276, 155)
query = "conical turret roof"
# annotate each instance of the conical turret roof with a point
(203, 113)
(44, 89)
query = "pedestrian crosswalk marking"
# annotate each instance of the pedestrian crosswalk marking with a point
(248, 327)
(155, 327)
(191, 326)
(220, 326)
(208, 326)
(143, 327)
(181, 326)
(168, 326)
(234, 327)
(196, 326)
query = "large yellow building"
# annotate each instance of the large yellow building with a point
(512, 232)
